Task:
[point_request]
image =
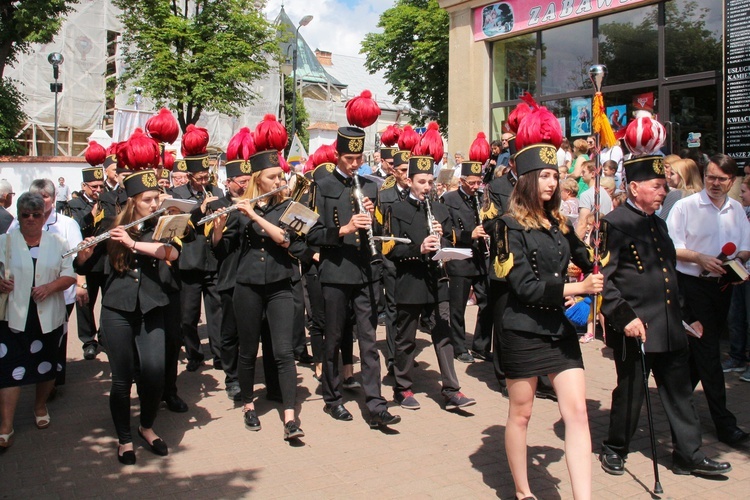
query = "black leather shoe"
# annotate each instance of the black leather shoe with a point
(127, 457)
(292, 431)
(304, 358)
(194, 364)
(707, 467)
(546, 393)
(483, 355)
(234, 392)
(175, 404)
(735, 437)
(252, 422)
(89, 352)
(158, 446)
(383, 419)
(338, 412)
(612, 463)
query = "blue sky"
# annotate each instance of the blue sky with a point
(338, 26)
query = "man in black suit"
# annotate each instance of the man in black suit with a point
(349, 274)
(463, 205)
(6, 200)
(198, 266)
(641, 302)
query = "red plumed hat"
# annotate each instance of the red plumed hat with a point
(163, 126)
(95, 154)
(431, 143)
(480, 149)
(140, 152)
(168, 160)
(270, 134)
(362, 111)
(241, 146)
(325, 154)
(538, 126)
(408, 139)
(194, 141)
(390, 135)
(283, 163)
(644, 136)
(112, 149)
(519, 112)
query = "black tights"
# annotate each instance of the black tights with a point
(135, 347)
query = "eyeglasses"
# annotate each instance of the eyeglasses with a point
(242, 183)
(715, 178)
(202, 178)
(473, 183)
(36, 215)
(95, 187)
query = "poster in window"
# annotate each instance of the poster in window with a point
(618, 116)
(580, 116)
(497, 19)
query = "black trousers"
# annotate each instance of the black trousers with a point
(499, 291)
(135, 348)
(340, 300)
(298, 330)
(85, 314)
(172, 343)
(709, 304)
(672, 375)
(197, 284)
(460, 288)
(317, 313)
(274, 303)
(406, 334)
(230, 340)
(389, 286)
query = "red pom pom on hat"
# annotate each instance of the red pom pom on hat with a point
(140, 152)
(519, 112)
(283, 163)
(112, 149)
(194, 141)
(163, 126)
(362, 111)
(538, 126)
(168, 160)
(644, 136)
(431, 143)
(390, 135)
(95, 154)
(241, 146)
(480, 149)
(270, 134)
(408, 139)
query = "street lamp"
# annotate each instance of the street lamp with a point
(303, 22)
(55, 59)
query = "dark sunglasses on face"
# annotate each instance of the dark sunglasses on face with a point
(36, 215)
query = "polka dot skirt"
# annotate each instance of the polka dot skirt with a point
(28, 357)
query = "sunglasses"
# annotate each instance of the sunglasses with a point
(36, 215)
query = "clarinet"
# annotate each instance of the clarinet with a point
(359, 199)
(431, 229)
(486, 239)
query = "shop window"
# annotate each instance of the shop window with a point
(561, 109)
(566, 58)
(692, 36)
(514, 67)
(628, 45)
(499, 115)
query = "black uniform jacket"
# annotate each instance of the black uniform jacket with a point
(498, 192)
(343, 260)
(141, 287)
(260, 260)
(80, 211)
(538, 262)
(641, 279)
(197, 255)
(227, 260)
(417, 275)
(496, 204)
(465, 217)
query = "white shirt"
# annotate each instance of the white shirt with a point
(696, 224)
(70, 231)
(563, 156)
(586, 200)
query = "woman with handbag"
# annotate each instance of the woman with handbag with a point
(33, 280)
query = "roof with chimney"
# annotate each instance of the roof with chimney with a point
(352, 70)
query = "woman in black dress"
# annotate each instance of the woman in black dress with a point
(535, 243)
(263, 289)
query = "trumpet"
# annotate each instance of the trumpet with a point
(107, 235)
(232, 208)
(359, 199)
(431, 229)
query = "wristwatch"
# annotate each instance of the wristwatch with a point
(84, 286)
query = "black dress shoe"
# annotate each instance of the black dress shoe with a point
(383, 419)
(89, 352)
(304, 358)
(546, 393)
(707, 467)
(175, 404)
(194, 364)
(483, 355)
(736, 437)
(158, 446)
(127, 457)
(252, 422)
(612, 463)
(292, 431)
(338, 412)
(234, 392)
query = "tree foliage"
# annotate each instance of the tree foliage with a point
(196, 55)
(12, 117)
(413, 52)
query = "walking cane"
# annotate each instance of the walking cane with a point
(657, 485)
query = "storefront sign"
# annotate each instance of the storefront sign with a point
(737, 82)
(518, 16)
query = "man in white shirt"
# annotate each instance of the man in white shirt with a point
(700, 226)
(62, 195)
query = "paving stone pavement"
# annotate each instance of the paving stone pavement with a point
(430, 454)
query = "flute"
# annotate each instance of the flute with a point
(107, 235)
(232, 208)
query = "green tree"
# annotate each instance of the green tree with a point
(22, 23)
(413, 52)
(302, 118)
(203, 55)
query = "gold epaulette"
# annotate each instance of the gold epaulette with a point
(389, 182)
(503, 261)
(378, 215)
(488, 212)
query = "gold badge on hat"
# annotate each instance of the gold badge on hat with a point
(476, 168)
(98, 174)
(181, 165)
(658, 166)
(548, 155)
(205, 163)
(273, 160)
(149, 180)
(356, 145)
(424, 165)
(245, 167)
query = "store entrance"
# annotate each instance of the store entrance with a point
(692, 116)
